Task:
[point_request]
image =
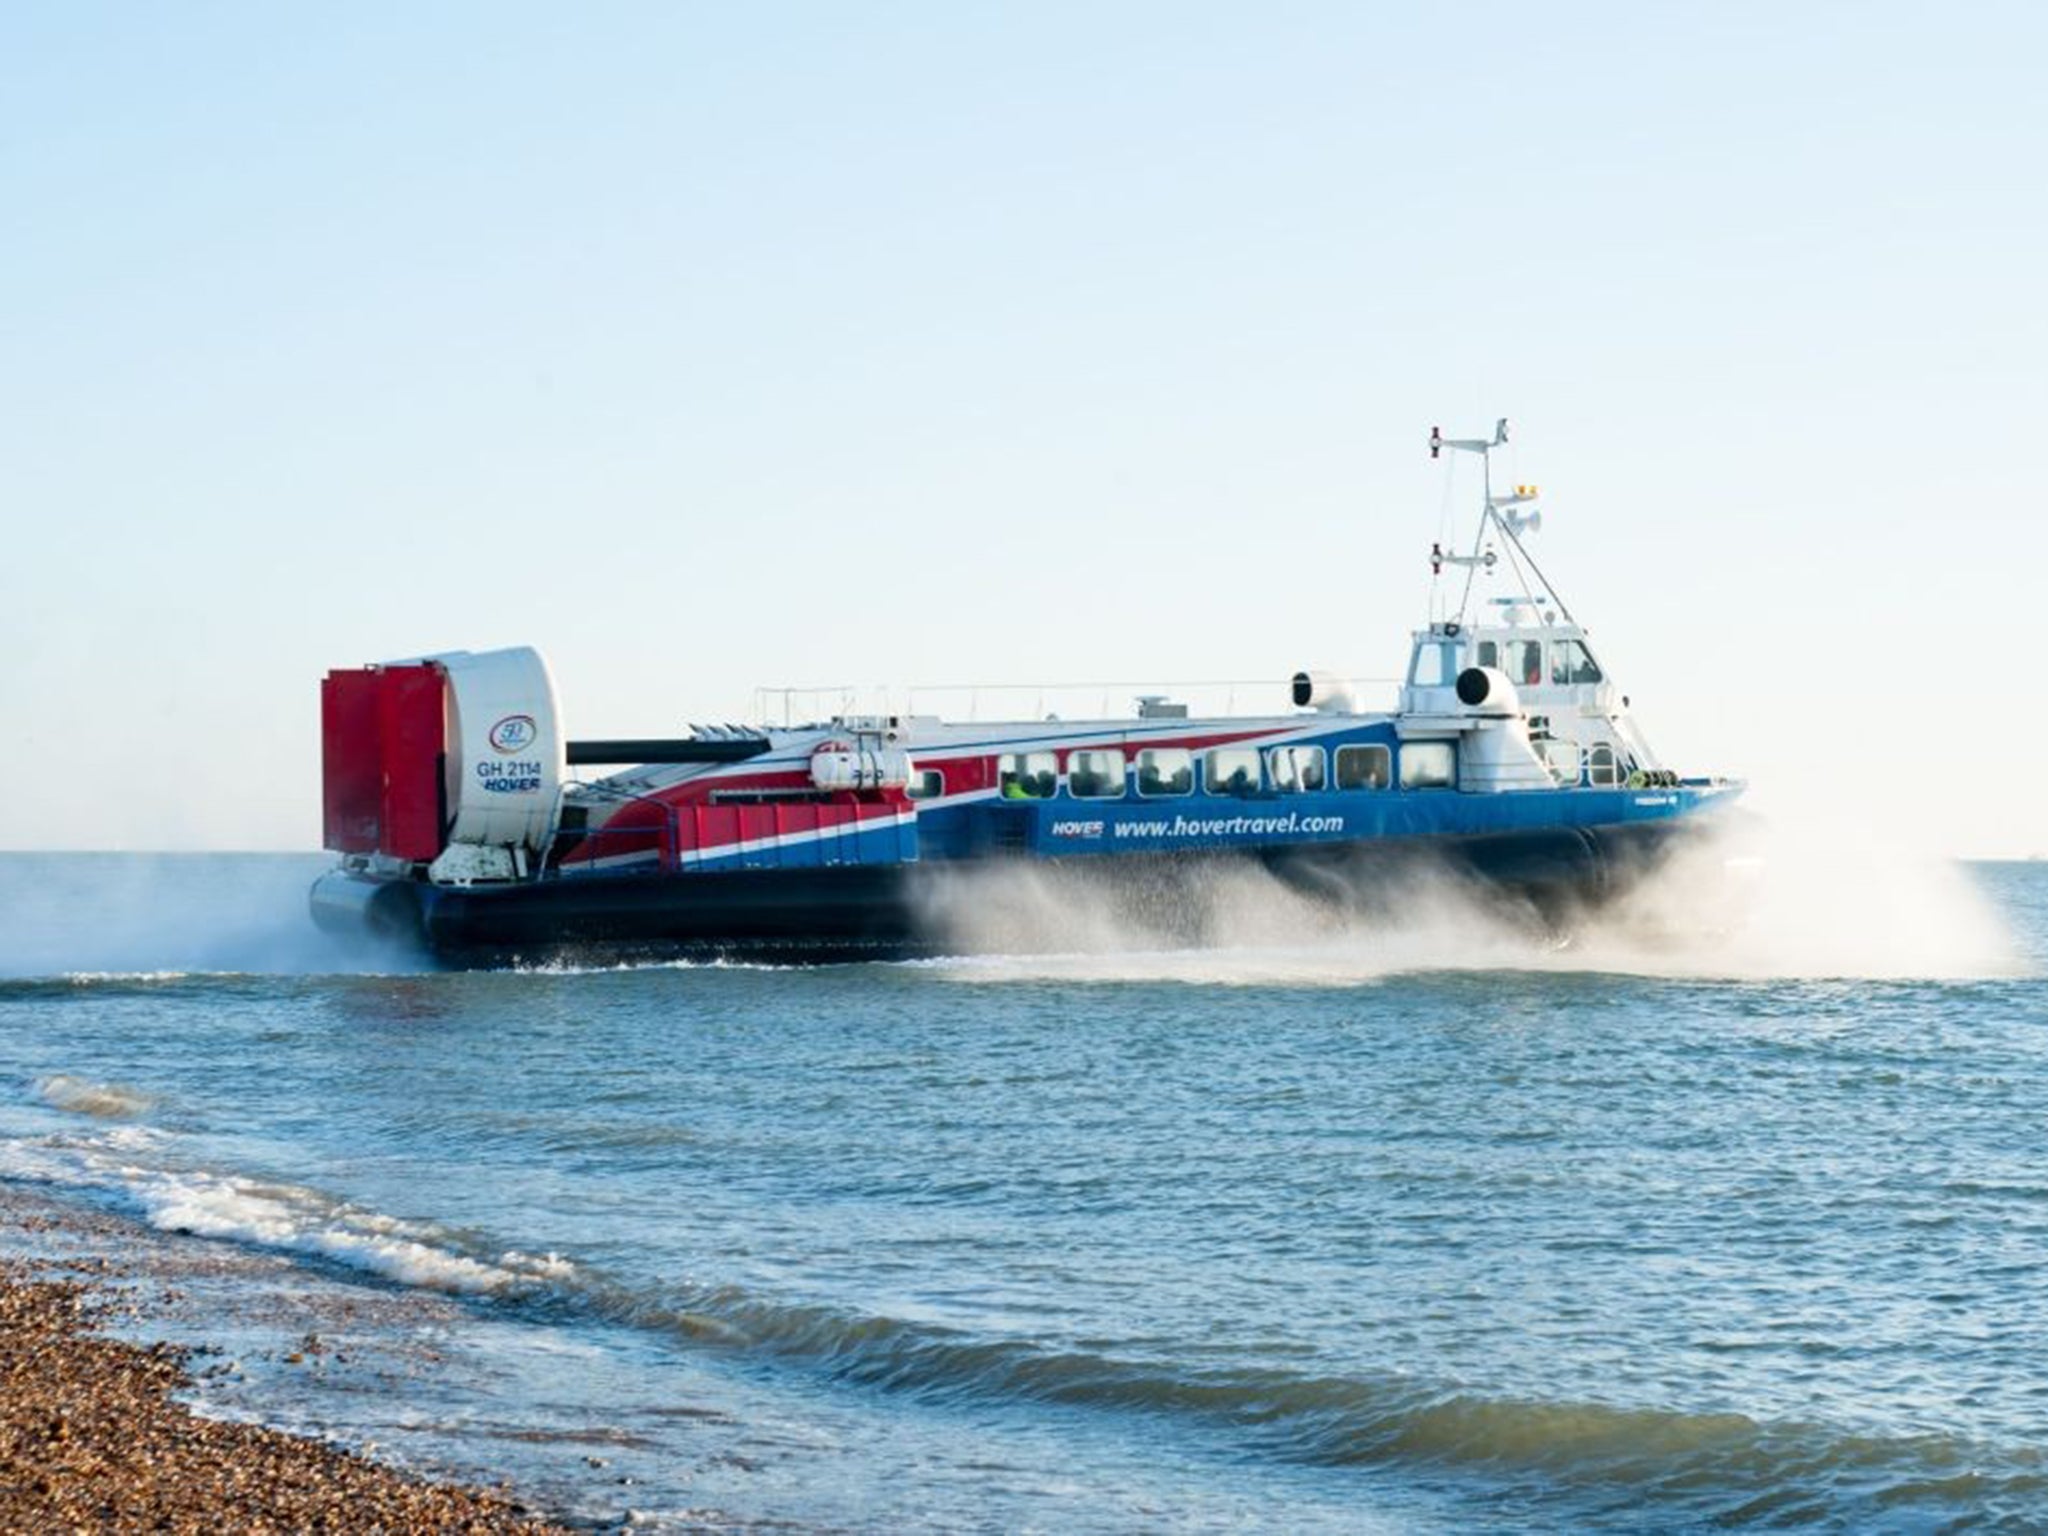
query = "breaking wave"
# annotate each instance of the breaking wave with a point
(108, 1101)
(289, 1218)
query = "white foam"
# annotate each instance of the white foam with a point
(132, 1138)
(95, 978)
(546, 1266)
(286, 1217)
(301, 1220)
(625, 967)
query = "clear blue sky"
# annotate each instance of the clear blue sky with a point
(707, 347)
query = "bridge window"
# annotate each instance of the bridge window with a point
(1232, 771)
(925, 784)
(1427, 765)
(1435, 666)
(1295, 770)
(1488, 655)
(1362, 767)
(1095, 774)
(1027, 775)
(1571, 663)
(1601, 767)
(1525, 663)
(1166, 771)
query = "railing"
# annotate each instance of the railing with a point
(1098, 700)
(666, 833)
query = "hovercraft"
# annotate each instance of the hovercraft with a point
(452, 793)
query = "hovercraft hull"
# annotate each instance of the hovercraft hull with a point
(854, 912)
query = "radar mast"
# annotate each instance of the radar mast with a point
(1497, 541)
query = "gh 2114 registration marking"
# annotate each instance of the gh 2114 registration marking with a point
(511, 778)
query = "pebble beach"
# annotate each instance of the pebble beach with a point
(95, 1432)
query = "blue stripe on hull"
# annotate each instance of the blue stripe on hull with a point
(1064, 827)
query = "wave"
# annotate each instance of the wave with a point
(110, 1101)
(63, 984)
(1721, 1464)
(1722, 1458)
(69, 984)
(290, 1218)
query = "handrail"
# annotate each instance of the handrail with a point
(668, 834)
(842, 698)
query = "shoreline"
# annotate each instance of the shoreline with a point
(97, 1424)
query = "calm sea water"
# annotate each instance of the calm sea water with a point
(1431, 1230)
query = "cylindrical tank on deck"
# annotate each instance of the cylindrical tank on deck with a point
(841, 764)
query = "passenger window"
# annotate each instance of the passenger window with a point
(1525, 658)
(1027, 775)
(1096, 774)
(1570, 663)
(1232, 771)
(1166, 771)
(1295, 770)
(1427, 765)
(1363, 767)
(1601, 768)
(925, 784)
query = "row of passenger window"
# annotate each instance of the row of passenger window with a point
(1164, 772)
(1098, 773)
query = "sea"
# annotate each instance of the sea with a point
(1726, 1209)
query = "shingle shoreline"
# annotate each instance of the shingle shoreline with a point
(92, 1438)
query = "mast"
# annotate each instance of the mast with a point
(1499, 518)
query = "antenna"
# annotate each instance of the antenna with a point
(1479, 445)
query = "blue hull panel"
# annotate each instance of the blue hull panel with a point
(1067, 827)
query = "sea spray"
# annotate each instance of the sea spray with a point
(1746, 899)
(1768, 900)
(102, 915)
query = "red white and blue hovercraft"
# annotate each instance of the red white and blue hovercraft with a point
(1511, 759)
